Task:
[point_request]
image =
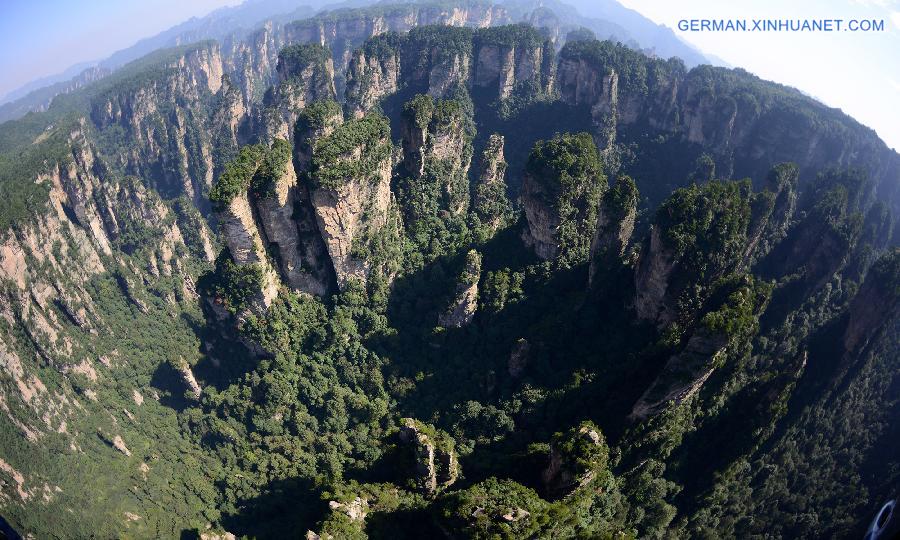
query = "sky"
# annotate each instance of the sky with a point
(853, 71)
(44, 37)
(856, 72)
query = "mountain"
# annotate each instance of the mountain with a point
(432, 269)
(237, 21)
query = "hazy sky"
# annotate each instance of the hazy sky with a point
(45, 37)
(856, 72)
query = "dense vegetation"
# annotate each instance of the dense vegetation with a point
(770, 393)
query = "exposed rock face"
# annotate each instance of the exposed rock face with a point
(356, 509)
(155, 120)
(876, 302)
(351, 196)
(513, 56)
(436, 150)
(374, 73)
(436, 465)
(772, 212)
(700, 233)
(246, 245)
(95, 225)
(493, 166)
(276, 207)
(305, 74)
(462, 309)
(490, 202)
(655, 266)
(561, 196)
(576, 457)
(683, 375)
(615, 223)
(715, 108)
(187, 375)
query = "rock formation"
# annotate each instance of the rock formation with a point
(373, 73)
(576, 458)
(490, 202)
(465, 300)
(561, 193)
(305, 74)
(350, 177)
(436, 464)
(615, 223)
(436, 157)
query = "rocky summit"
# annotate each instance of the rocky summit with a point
(456, 269)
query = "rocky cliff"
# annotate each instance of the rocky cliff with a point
(305, 75)
(744, 122)
(561, 193)
(350, 177)
(436, 156)
(615, 223)
(700, 234)
(489, 201)
(160, 122)
(465, 299)
(436, 465)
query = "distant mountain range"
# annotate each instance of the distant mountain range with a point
(607, 19)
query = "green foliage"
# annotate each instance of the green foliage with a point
(235, 285)
(443, 42)
(419, 110)
(886, 272)
(522, 36)
(238, 175)
(20, 195)
(477, 512)
(256, 168)
(314, 116)
(331, 166)
(293, 59)
(383, 46)
(570, 180)
(272, 168)
(744, 299)
(580, 451)
(706, 225)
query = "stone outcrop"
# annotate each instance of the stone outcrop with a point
(276, 204)
(436, 151)
(730, 113)
(305, 75)
(561, 198)
(436, 464)
(510, 57)
(615, 223)
(682, 376)
(735, 318)
(490, 202)
(651, 282)
(164, 120)
(711, 226)
(373, 73)
(187, 376)
(772, 212)
(350, 194)
(576, 458)
(462, 308)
